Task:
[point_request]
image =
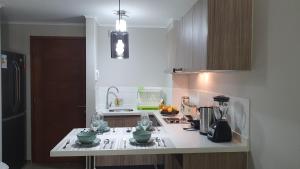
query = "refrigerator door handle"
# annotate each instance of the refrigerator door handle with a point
(17, 86)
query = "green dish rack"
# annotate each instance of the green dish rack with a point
(149, 98)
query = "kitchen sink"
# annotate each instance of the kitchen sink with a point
(120, 110)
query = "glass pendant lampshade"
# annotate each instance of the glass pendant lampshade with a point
(119, 37)
(120, 48)
(119, 45)
(121, 25)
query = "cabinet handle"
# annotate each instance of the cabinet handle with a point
(176, 70)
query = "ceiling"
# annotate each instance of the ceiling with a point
(142, 13)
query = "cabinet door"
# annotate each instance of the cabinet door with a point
(171, 40)
(215, 160)
(115, 121)
(187, 40)
(179, 61)
(230, 34)
(200, 32)
(184, 42)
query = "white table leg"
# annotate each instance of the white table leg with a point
(86, 162)
(94, 159)
(90, 162)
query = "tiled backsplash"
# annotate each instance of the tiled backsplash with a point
(238, 115)
(128, 94)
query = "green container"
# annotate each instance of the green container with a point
(148, 107)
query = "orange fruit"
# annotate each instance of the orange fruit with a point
(165, 108)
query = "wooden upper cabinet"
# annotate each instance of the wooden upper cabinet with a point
(179, 44)
(200, 30)
(213, 35)
(187, 25)
(230, 34)
(171, 46)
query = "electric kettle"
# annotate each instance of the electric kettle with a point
(206, 119)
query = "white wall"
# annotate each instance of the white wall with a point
(91, 59)
(15, 37)
(145, 66)
(146, 63)
(272, 85)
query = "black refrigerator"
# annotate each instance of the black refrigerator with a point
(13, 109)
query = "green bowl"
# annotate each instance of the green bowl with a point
(86, 137)
(149, 128)
(142, 136)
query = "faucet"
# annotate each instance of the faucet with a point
(110, 92)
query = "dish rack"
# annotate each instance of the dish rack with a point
(149, 98)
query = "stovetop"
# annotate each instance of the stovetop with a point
(174, 120)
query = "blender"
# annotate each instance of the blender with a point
(220, 130)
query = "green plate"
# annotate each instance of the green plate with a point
(93, 144)
(134, 142)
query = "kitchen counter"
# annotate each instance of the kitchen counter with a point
(178, 141)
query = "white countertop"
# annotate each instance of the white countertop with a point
(178, 141)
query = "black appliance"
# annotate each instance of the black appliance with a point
(195, 124)
(220, 131)
(13, 109)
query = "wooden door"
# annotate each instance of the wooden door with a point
(58, 93)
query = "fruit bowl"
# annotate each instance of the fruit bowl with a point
(168, 110)
(166, 113)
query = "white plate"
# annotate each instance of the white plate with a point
(93, 144)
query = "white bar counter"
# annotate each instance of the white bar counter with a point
(178, 141)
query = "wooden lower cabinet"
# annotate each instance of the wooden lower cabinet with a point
(132, 160)
(173, 161)
(207, 161)
(127, 121)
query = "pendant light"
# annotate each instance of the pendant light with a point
(119, 37)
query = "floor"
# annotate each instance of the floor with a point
(35, 166)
